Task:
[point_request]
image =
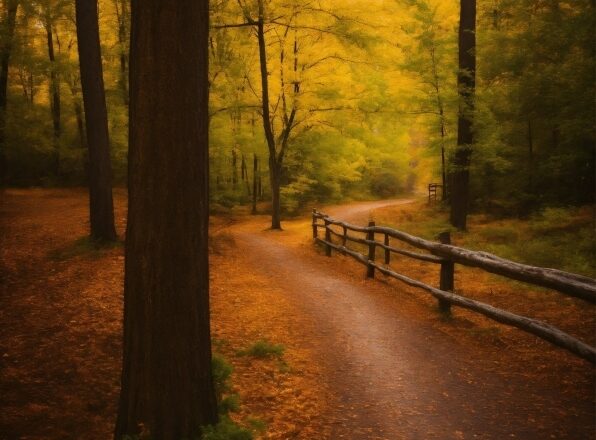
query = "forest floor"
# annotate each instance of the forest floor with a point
(362, 359)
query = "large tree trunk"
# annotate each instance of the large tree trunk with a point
(166, 379)
(8, 25)
(466, 80)
(96, 120)
(54, 94)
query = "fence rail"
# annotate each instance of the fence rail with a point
(446, 255)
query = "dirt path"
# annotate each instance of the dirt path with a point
(364, 359)
(393, 373)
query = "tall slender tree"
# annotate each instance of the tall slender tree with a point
(7, 25)
(123, 18)
(466, 81)
(167, 389)
(101, 206)
(54, 84)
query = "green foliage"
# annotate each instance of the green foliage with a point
(257, 425)
(226, 429)
(536, 128)
(221, 370)
(263, 349)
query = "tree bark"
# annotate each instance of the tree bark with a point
(8, 25)
(167, 385)
(101, 208)
(466, 80)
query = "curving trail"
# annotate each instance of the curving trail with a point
(392, 373)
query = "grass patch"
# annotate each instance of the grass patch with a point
(263, 349)
(83, 246)
(226, 429)
(561, 238)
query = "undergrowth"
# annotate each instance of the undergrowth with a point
(561, 238)
(263, 349)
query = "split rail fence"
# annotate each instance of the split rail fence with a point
(336, 237)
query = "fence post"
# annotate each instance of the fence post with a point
(447, 272)
(314, 224)
(370, 236)
(344, 238)
(387, 251)
(327, 238)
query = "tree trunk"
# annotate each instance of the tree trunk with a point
(530, 158)
(101, 208)
(274, 165)
(275, 179)
(466, 80)
(54, 95)
(234, 169)
(166, 379)
(123, 17)
(78, 108)
(8, 23)
(255, 171)
(442, 125)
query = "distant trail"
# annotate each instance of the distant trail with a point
(397, 377)
(361, 211)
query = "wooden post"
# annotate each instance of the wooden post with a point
(447, 272)
(327, 238)
(370, 236)
(314, 224)
(344, 238)
(387, 251)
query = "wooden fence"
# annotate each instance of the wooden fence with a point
(444, 254)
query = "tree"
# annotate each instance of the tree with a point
(101, 207)
(49, 16)
(123, 17)
(466, 81)
(9, 12)
(167, 389)
(430, 60)
(286, 114)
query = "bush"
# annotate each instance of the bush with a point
(385, 184)
(226, 429)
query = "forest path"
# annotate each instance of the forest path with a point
(393, 373)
